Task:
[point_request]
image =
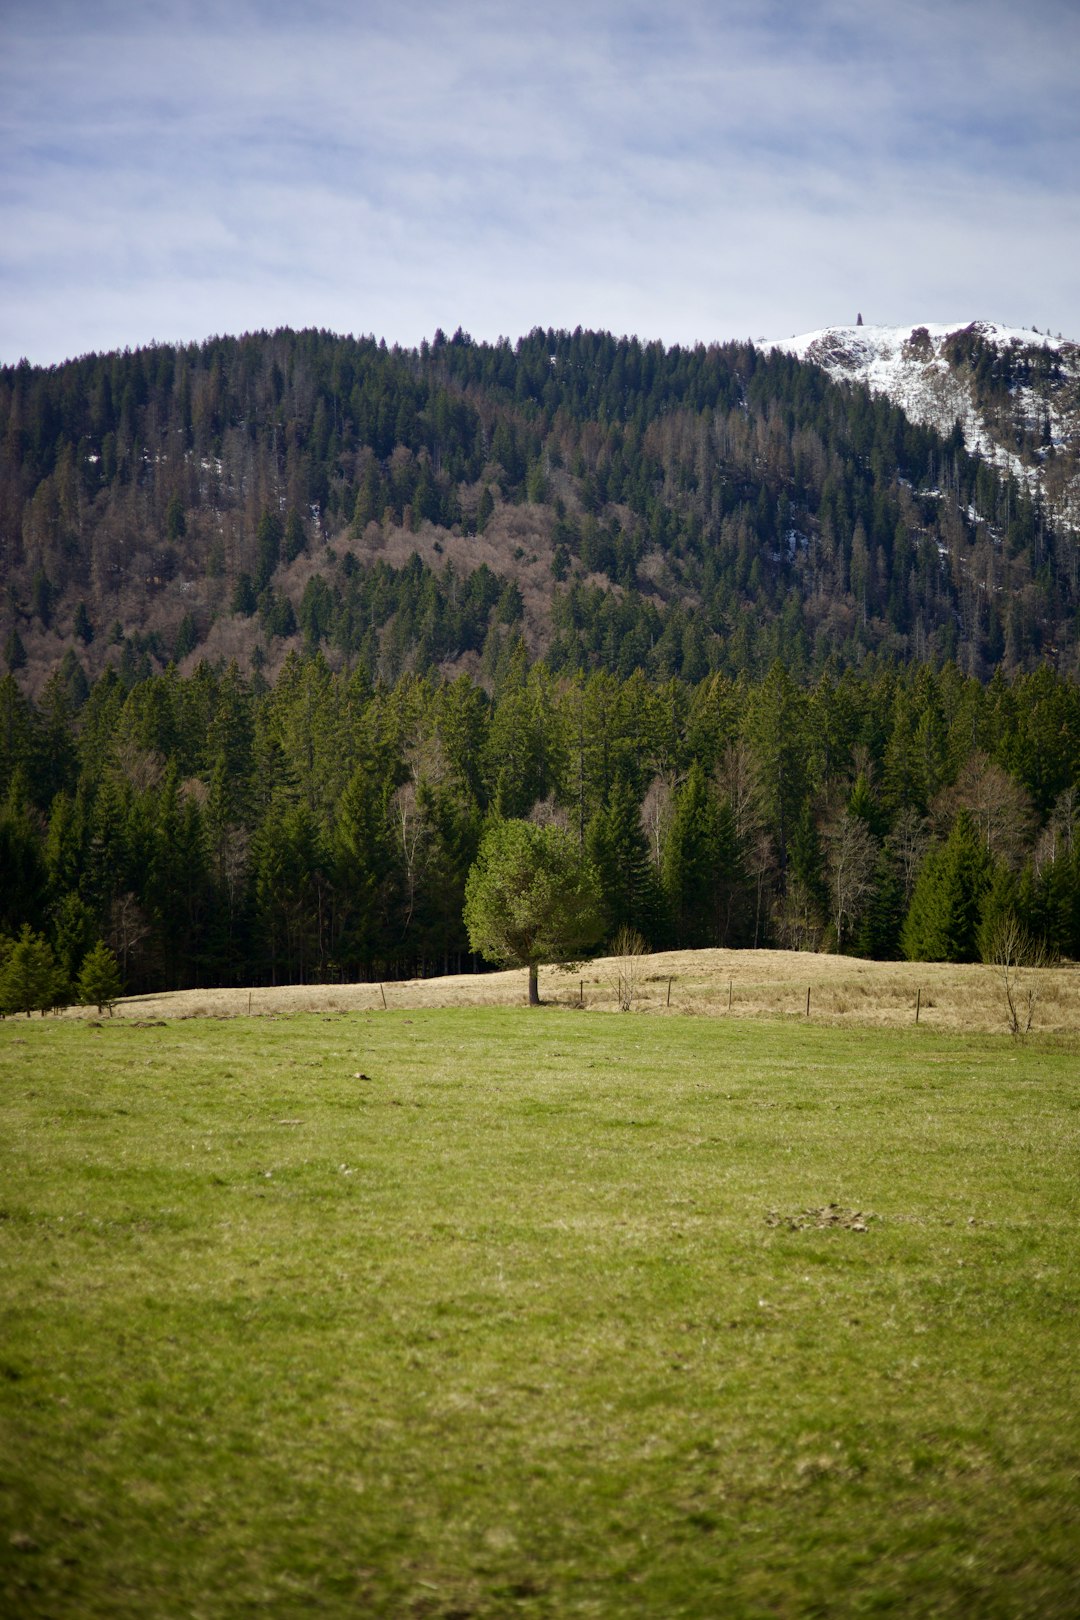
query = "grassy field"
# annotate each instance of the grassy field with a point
(482, 1312)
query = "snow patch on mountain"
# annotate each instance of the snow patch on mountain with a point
(1019, 410)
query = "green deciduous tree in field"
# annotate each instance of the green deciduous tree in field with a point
(531, 897)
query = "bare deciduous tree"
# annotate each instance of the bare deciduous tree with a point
(907, 842)
(739, 780)
(852, 856)
(798, 921)
(128, 927)
(627, 952)
(999, 808)
(656, 812)
(1018, 959)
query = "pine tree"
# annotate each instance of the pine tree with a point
(531, 898)
(287, 864)
(365, 869)
(23, 877)
(74, 930)
(806, 862)
(776, 726)
(295, 538)
(879, 928)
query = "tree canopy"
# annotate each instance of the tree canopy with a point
(531, 897)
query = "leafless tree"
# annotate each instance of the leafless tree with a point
(1018, 959)
(627, 952)
(656, 812)
(738, 778)
(798, 920)
(999, 807)
(549, 813)
(907, 843)
(128, 927)
(852, 852)
(408, 827)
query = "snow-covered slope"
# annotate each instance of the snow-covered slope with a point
(1015, 393)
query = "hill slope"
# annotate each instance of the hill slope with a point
(618, 505)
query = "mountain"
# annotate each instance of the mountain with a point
(289, 617)
(1014, 393)
(606, 503)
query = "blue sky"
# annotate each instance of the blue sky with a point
(688, 171)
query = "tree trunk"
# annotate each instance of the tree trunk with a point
(534, 990)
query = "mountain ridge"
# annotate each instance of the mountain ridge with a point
(613, 504)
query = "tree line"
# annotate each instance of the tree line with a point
(217, 829)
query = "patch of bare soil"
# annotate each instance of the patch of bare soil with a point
(717, 983)
(852, 1220)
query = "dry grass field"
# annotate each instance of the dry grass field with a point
(737, 984)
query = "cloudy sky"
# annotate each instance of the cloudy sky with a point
(688, 170)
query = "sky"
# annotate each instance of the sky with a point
(689, 171)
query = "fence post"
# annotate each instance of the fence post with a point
(918, 1003)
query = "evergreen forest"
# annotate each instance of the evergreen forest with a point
(288, 619)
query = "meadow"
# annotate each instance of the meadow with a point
(478, 1311)
(729, 983)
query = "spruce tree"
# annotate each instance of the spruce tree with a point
(619, 850)
(268, 549)
(99, 980)
(693, 860)
(30, 980)
(943, 919)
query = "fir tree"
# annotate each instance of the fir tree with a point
(99, 980)
(30, 980)
(619, 850)
(943, 920)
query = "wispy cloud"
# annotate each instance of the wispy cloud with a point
(693, 171)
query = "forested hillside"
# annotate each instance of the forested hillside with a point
(679, 511)
(214, 829)
(290, 619)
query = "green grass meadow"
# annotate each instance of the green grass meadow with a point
(488, 1312)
